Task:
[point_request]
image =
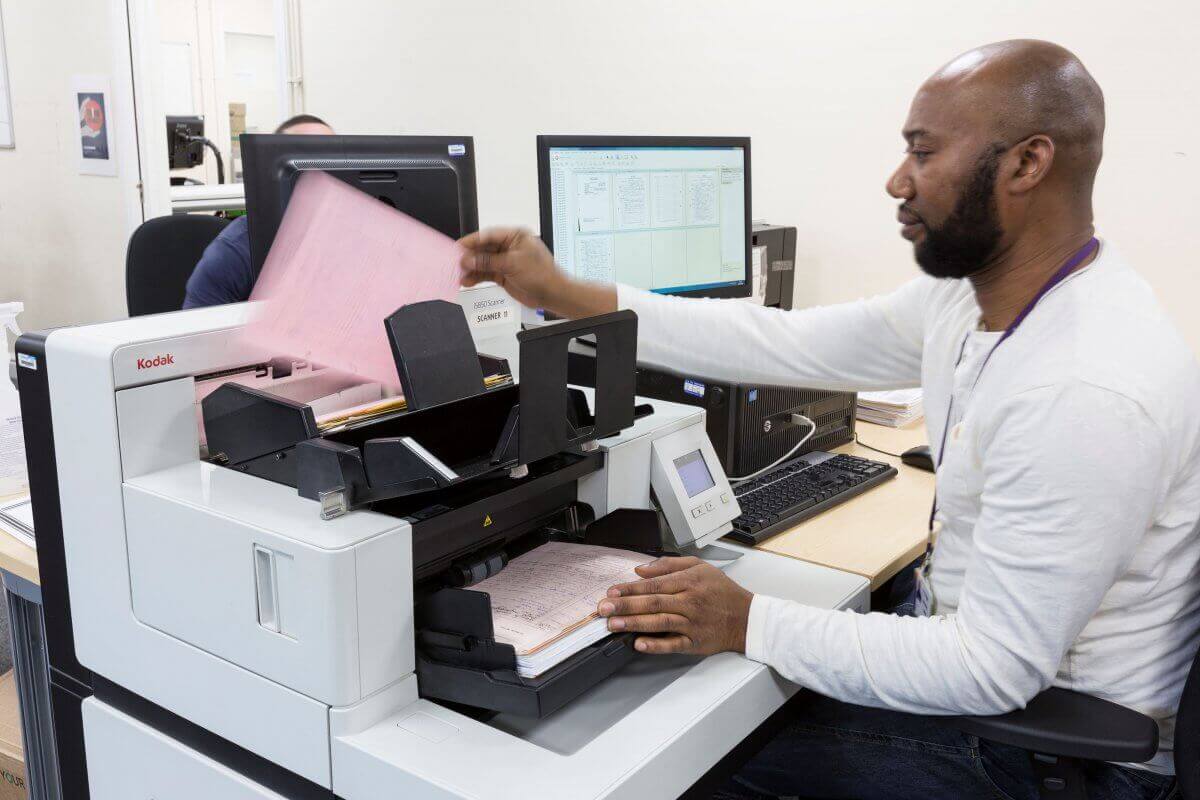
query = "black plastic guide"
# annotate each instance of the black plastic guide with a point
(435, 355)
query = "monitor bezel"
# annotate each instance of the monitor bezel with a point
(546, 142)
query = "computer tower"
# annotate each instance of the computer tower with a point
(750, 426)
(773, 249)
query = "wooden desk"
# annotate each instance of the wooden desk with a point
(18, 558)
(881, 530)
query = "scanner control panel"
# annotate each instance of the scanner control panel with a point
(691, 487)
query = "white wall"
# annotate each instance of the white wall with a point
(63, 235)
(822, 89)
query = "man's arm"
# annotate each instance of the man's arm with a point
(1060, 522)
(869, 344)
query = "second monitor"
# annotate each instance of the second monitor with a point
(668, 214)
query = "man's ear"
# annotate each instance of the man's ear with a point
(1031, 158)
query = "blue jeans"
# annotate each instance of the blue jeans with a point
(836, 750)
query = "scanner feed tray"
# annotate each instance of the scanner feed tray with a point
(443, 440)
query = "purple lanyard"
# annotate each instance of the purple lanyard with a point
(1058, 277)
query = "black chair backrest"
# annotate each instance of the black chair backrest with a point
(160, 258)
(1187, 736)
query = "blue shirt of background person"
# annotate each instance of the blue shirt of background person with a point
(223, 274)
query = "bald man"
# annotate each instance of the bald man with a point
(1060, 404)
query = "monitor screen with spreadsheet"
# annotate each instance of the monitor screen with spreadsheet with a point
(668, 214)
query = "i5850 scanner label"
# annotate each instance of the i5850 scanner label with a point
(489, 312)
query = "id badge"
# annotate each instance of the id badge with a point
(923, 602)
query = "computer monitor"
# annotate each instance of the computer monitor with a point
(430, 178)
(185, 142)
(668, 214)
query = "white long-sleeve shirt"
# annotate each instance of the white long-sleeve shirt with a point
(1068, 495)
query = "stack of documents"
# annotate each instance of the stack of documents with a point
(895, 408)
(544, 602)
(350, 415)
(16, 517)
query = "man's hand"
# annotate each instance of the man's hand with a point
(691, 603)
(518, 261)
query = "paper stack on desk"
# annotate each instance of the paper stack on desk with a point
(341, 263)
(895, 408)
(16, 517)
(544, 602)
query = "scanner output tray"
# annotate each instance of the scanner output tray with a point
(460, 661)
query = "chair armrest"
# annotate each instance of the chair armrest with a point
(1059, 722)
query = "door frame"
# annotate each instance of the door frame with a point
(142, 82)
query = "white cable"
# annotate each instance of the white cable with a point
(812, 428)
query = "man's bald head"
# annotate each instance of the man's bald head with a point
(1023, 87)
(1003, 142)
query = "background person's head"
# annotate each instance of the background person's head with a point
(1003, 140)
(305, 124)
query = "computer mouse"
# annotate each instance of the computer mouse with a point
(920, 457)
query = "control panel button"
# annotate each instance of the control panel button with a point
(724, 497)
(708, 506)
(697, 511)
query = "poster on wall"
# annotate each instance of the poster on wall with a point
(6, 122)
(91, 101)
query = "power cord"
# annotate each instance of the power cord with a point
(206, 142)
(796, 419)
(859, 442)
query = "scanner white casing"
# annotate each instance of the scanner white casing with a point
(172, 561)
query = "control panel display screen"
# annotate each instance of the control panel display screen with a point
(693, 473)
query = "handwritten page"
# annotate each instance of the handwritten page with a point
(342, 261)
(554, 589)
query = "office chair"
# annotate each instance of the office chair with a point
(1061, 729)
(159, 260)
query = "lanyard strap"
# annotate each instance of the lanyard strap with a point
(1058, 277)
(1071, 264)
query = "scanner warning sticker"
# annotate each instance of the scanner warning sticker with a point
(457, 149)
(694, 388)
(27, 361)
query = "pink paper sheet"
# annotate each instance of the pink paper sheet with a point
(341, 262)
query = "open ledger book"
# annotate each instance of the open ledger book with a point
(544, 602)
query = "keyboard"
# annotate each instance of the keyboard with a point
(799, 489)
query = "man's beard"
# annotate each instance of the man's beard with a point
(962, 245)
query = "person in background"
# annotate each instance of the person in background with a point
(223, 274)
